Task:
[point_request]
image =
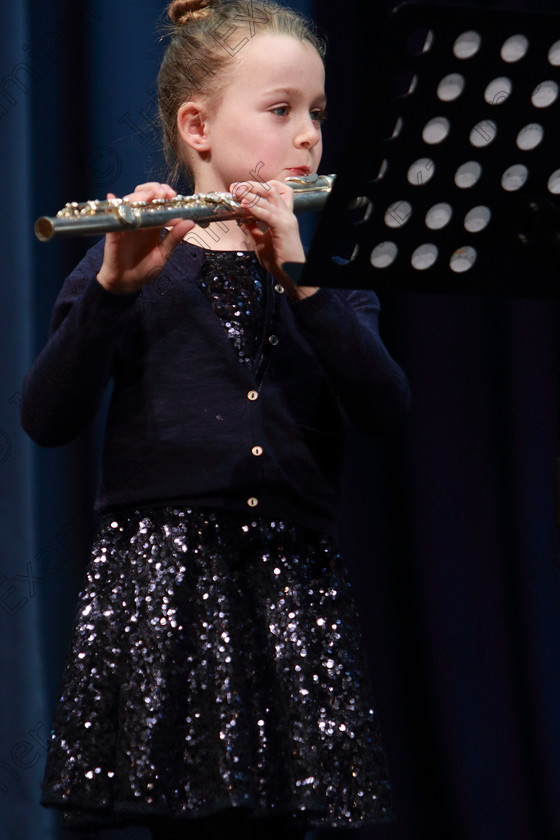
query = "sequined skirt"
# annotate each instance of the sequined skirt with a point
(215, 663)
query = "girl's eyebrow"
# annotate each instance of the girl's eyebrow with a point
(320, 98)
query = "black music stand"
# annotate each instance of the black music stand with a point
(458, 155)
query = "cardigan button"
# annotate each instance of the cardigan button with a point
(253, 395)
(252, 502)
(257, 451)
(273, 339)
(279, 288)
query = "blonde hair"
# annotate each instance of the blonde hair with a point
(201, 49)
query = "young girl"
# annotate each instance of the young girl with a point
(215, 686)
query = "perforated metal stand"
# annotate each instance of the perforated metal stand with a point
(458, 153)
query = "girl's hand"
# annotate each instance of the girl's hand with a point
(273, 229)
(133, 258)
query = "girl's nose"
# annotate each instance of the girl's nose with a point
(309, 133)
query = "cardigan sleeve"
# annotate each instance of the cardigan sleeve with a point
(342, 327)
(65, 386)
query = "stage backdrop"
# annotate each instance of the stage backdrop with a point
(449, 523)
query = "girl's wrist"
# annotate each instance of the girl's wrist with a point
(296, 292)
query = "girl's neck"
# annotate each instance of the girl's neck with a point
(220, 236)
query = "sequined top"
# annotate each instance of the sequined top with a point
(233, 282)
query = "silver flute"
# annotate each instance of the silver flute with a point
(93, 218)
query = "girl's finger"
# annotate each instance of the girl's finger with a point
(285, 192)
(155, 186)
(149, 191)
(247, 192)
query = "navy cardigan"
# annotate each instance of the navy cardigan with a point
(188, 423)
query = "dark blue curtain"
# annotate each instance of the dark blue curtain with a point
(450, 524)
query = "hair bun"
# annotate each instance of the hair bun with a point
(182, 11)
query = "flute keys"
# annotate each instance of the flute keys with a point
(126, 213)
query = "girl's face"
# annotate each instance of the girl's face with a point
(267, 123)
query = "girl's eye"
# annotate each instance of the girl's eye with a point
(318, 115)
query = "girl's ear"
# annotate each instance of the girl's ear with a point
(191, 123)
